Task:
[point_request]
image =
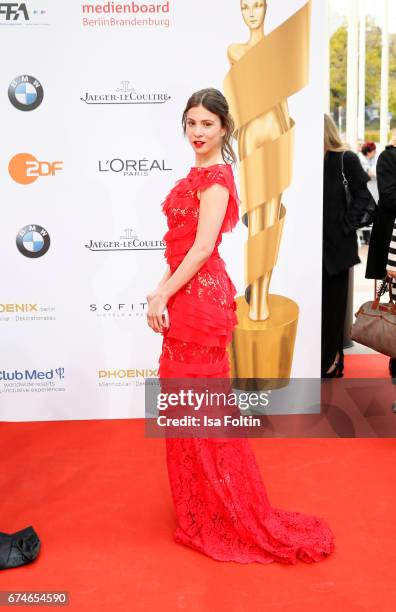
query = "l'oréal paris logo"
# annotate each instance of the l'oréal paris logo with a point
(125, 95)
(133, 167)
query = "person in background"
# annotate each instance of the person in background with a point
(382, 247)
(340, 248)
(391, 270)
(367, 156)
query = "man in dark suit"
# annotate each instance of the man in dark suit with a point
(381, 235)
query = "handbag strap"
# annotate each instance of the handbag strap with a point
(385, 285)
(345, 183)
(390, 280)
(382, 288)
(344, 178)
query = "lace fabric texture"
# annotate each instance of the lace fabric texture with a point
(221, 504)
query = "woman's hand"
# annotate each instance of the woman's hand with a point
(156, 305)
(391, 273)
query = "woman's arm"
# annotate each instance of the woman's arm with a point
(386, 177)
(212, 210)
(357, 179)
(166, 276)
(361, 200)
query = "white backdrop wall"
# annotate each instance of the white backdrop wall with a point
(82, 348)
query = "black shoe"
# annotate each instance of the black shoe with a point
(392, 369)
(338, 371)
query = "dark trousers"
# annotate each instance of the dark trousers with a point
(334, 303)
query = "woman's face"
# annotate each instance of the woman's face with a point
(204, 130)
(253, 12)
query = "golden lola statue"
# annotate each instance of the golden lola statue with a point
(264, 72)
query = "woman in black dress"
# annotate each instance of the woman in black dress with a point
(381, 259)
(340, 248)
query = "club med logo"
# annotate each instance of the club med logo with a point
(133, 13)
(24, 168)
(125, 95)
(33, 241)
(23, 13)
(129, 241)
(32, 381)
(133, 167)
(32, 374)
(25, 93)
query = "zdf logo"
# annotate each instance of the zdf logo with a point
(25, 168)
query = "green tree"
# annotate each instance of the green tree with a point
(392, 77)
(338, 69)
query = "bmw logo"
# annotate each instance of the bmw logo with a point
(25, 93)
(33, 241)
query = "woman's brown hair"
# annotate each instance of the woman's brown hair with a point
(213, 100)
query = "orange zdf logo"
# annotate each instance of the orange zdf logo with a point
(25, 168)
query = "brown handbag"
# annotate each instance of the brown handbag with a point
(375, 323)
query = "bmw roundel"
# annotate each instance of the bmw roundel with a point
(33, 241)
(25, 92)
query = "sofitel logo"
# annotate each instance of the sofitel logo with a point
(128, 242)
(126, 95)
(133, 167)
(134, 309)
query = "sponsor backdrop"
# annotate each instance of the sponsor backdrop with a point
(91, 143)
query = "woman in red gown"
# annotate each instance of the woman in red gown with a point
(221, 504)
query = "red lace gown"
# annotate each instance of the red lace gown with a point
(221, 504)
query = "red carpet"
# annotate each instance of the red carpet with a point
(372, 365)
(97, 494)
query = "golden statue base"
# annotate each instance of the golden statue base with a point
(264, 349)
